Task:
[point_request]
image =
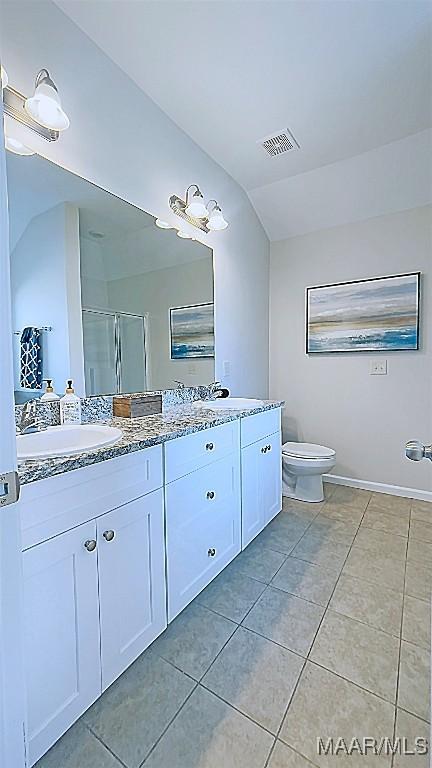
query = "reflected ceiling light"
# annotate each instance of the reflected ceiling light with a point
(44, 107)
(184, 235)
(17, 147)
(4, 77)
(216, 221)
(163, 224)
(195, 206)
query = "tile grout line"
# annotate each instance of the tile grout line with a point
(307, 656)
(400, 639)
(109, 749)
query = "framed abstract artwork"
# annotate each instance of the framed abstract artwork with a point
(192, 331)
(380, 314)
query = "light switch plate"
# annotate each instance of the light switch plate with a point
(378, 367)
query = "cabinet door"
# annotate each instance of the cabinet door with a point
(131, 581)
(261, 485)
(271, 464)
(61, 634)
(252, 492)
(202, 529)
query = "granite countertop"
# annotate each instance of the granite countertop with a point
(138, 434)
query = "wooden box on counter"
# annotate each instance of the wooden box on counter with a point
(133, 406)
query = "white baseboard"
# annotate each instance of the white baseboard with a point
(369, 485)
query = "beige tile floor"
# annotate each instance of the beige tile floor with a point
(320, 628)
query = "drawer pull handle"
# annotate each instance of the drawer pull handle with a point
(109, 535)
(90, 545)
(209, 446)
(210, 495)
(211, 552)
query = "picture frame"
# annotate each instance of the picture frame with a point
(192, 331)
(377, 314)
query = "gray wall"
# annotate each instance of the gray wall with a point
(332, 399)
(123, 142)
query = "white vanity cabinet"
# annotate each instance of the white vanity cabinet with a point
(261, 467)
(94, 595)
(203, 511)
(111, 553)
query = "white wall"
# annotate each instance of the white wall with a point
(154, 293)
(332, 399)
(122, 141)
(45, 292)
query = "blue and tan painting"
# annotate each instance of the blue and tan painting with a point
(192, 332)
(369, 315)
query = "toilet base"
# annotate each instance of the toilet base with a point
(304, 486)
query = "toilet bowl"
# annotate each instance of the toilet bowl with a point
(303, 465)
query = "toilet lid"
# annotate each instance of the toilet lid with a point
(308, 451)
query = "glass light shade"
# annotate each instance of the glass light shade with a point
(163, 224)
(196, 207)
(4, 77)
(17, 147)
(216, 220)
(184, 235)
(45, 108)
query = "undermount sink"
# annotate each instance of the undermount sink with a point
(66, 440)
(228, 403)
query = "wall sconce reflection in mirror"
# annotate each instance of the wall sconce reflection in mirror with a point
(42, 113)
(207, 217)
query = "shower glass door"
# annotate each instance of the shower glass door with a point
(114, 352)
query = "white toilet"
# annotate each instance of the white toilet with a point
(303, 465)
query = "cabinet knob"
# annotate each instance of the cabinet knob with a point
(209, 446)
(211, 494)
(109, 535)
(211, 552)
(264, 449)
(90, 545)
(268, 447)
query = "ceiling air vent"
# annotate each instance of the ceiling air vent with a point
(279, 143)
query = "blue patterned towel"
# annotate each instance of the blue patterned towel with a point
(31, 359)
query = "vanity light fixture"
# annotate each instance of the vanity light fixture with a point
(17, 147)
(195, 207)
(216, 221)
(192, 209)
(44, 107)
(163, 224)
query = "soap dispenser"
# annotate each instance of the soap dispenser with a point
(49, 396)
(70, 406)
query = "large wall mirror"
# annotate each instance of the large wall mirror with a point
(111, 300)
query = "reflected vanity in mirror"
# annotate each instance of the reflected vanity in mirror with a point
(113, 301)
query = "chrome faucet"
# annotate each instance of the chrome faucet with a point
(180, 384)
(30, 422)
(215, 389)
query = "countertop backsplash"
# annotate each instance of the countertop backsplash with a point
(100, 407)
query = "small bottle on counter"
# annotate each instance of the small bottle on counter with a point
(70, 406)
(49, 395)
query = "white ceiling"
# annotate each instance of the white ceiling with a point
(345, 77)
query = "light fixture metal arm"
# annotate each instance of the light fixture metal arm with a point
(191, 186)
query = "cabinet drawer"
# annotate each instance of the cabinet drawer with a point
(202, 529)
(189, 453)
(259, 425)
(52, 506)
